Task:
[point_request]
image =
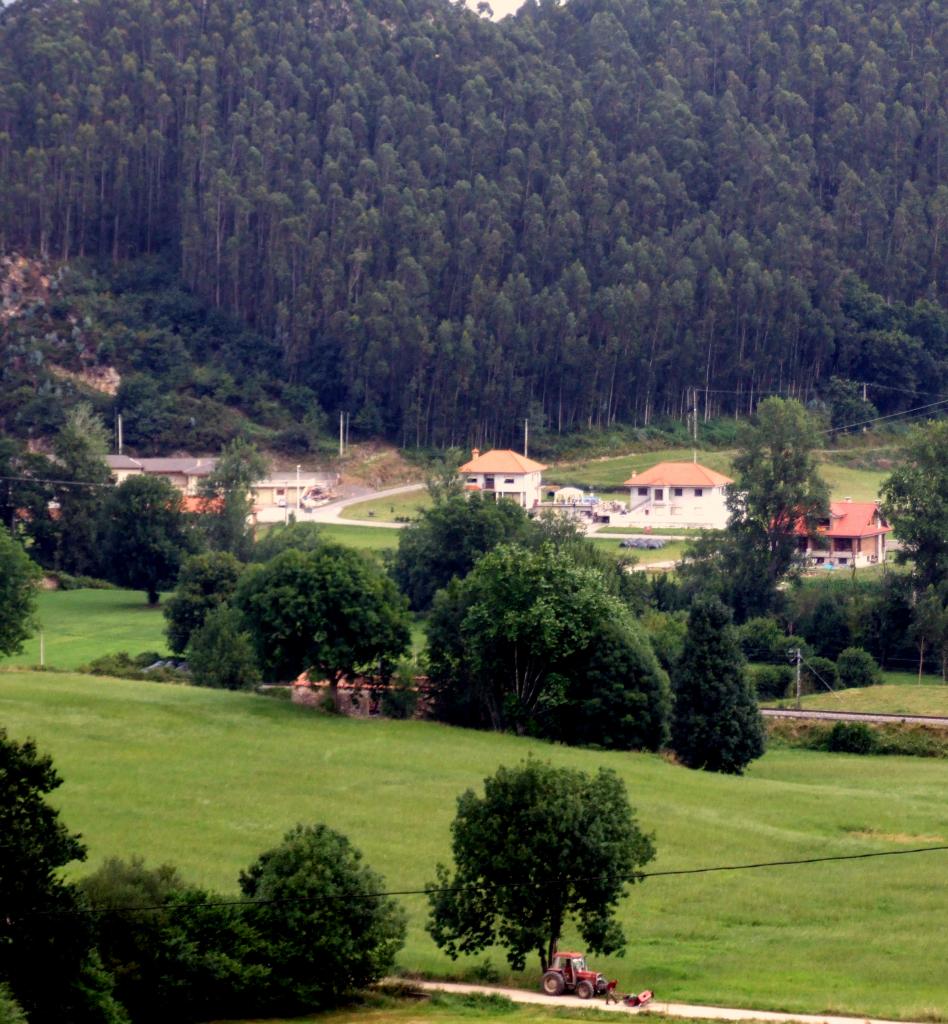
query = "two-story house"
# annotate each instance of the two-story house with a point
(853, 535)
(684, 494)
(502, 473)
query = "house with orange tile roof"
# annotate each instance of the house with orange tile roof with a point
(502, 473)
(854, 534)
(670, 494)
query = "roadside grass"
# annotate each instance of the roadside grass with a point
(79, 625)
(207, 780)
(396, 509)
(882, 700)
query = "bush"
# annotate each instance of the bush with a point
(10, 1011)
(221, 652)
(851, 738)
(123, 665)
(772, 681)
(763, 640)
(66, 581)
(856, 667)
(818, 674)
(319, 949)
(400, 699)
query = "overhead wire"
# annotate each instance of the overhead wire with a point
(638, 876)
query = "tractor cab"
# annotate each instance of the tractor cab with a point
(568, 973)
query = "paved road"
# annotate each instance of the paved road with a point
(331, 513)
(853, 716)
(686, 1010)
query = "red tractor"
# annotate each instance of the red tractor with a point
(568, 973)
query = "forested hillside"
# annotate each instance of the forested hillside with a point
(443, 224)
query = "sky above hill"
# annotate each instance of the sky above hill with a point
(499, 7)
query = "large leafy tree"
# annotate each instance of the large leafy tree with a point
(331, 612)
(531, 641)
(543, 847)
(716, 723)
(18, 577)
(915, 498)
(448, 539)
(79, 451)
(46, 942)
(324, 928)
(777, 499)
(205, 582)
(146, 536)
(226, 490)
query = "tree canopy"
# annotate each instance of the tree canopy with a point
(532, 642)
(542, 849)
(329, 611)
(18, 578)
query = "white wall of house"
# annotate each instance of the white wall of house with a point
(686, 506)
(523, 488)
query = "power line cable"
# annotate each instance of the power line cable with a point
(545, 882)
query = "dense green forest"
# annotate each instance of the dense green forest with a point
(442, 224)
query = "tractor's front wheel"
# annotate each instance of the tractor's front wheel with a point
(553, 983)
(585, 990)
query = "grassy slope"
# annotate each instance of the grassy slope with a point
(883, 700)
(208, 780)
(79, 625)
(365, 538)
(390, 510)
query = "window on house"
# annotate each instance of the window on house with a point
(659, 494)
(699, 492)
(643, 492)
(472, 479)
(678, 491)
(508, 480)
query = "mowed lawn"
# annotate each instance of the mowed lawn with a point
(207, 780)
(396, 508)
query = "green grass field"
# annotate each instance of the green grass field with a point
(79, 625)
(390, 510)
(365, 538)
(671, 552)
(882, 700)
(207, 780)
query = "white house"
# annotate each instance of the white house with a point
(502, 473)
(183, 473)
(684, 494)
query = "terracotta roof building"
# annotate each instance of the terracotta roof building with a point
(503, 473)
(853, 535)
(676, 494)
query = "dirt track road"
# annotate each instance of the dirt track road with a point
(656, 1006)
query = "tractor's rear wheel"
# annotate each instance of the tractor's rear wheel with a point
(553, 983)
(584, 989)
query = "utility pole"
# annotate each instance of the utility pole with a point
(298, 504)
(342, 450)
(119, 428)
(526, 437)
(799, 659)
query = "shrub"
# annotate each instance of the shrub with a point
(851, 738)
(856, 667)
(818, 674)
(123, 665)
(762, 639)
(772, 681)
(221, 652)
(10, 1011)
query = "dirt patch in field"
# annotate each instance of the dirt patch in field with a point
(894, 837)
(377, 466)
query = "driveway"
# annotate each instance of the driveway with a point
(331, 513)
(687, 1010)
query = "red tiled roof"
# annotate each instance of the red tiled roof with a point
(855, 519)
(678, 474)
(501, 461)
(190, 503)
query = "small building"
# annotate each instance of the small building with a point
(853, 535)
(502, 473)
(287, 490)
(676, 494)
(183, 473)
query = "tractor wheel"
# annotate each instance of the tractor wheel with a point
(584, 989)
(553, 983)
